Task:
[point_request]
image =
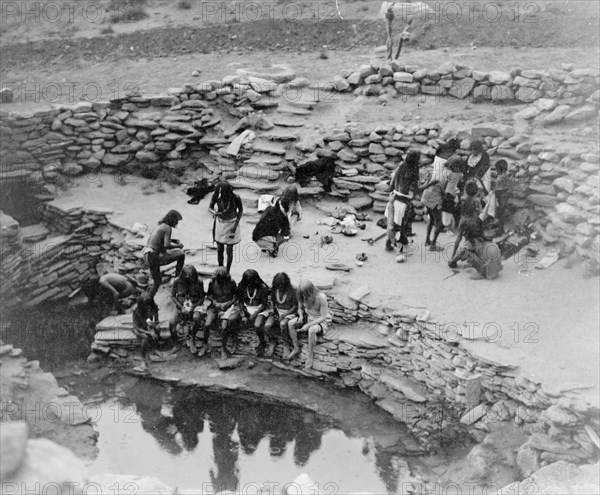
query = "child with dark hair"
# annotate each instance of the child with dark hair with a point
(496, 188)
(253, 295)
(188, 296)
(285, 304)
(470, 210)
(478, 162)
(226, 206)
(483, 255)
(224, 308)
(145, 322)
(273, 228)
(162, 250)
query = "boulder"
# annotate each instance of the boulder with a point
(569, 213)
(498, 77)
(528, 460)
(410, 89)
(277, 73)
(462, 88)
(13, 442)
(403, 77)
(340, 84)
(528, 95)
(559, 114)
(546, 104)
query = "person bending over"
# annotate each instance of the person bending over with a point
(226, 206)
(163, 250)
(273, 228)
(109, 289)
(253, 294)
(285, 305)
(313, 316)
(224, 308)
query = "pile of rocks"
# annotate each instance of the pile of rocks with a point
(565, 86)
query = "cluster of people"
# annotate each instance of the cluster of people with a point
(275, 313)
(459, 195)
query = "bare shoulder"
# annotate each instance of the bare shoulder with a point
(322, 299)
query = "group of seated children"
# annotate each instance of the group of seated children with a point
(276, 312)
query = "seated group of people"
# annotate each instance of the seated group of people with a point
(276, 313)
(453, 196)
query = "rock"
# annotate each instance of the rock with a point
(502, 93)
(564, 184)
(13, 442)
(360, 202)
(527, 113)
(481, 92)
(340, 84)
(528, 460)
(114, 160)
(528, 95)
(498, 77)
(230, 363)
(546, 104)
(277, 73)
(481, 460)
(462, 88)
(410, 89)
(559, 416)
(48, 464)
(569, 213)
(559, 113)
(398, 384)
(146, 156)
(72, 169)
(348, 155)
(474, 414)
(403, 77)
(583, 113)
(360, 292)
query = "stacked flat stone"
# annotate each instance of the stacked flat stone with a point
(568, 88)
(11, 247)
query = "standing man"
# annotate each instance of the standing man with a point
(162, 250)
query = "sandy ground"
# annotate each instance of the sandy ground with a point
(544, 321)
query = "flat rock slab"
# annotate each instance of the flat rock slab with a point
(254, 184)
(268, 147)
(34, 233)
(264, 160)
(279, 134)
(310, 191)
(278, 73)
(293, 110)
(284, 121)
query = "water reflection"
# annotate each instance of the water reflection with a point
(182, 420)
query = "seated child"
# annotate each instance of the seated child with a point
(313, 316)
(285, 304)
(145, 322)
(483, 255)
(224, 308)
(188, 296)
(253, 295)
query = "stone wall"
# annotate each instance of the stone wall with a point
(566, 86)
(170, 133)
(51, 269)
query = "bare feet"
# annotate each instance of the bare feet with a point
(225, 354)
(293, 354)
(270, 349)
(309, 363)
(202, 350)
(286, 351)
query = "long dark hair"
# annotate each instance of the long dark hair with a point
(188, 275)
(250, 279)
(171, 218)
(223, 194)
(282, 282)
(146, 307)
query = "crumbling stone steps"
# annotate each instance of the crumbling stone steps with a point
(264, 160)
(256, 184)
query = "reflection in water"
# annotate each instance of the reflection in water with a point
(185, 421)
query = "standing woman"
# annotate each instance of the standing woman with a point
(227, 208)
(162, 250)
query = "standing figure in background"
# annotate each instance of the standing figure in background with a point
(162, 250)
(226, 206)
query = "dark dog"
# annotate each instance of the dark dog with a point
(323, 169)
(201, 188)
